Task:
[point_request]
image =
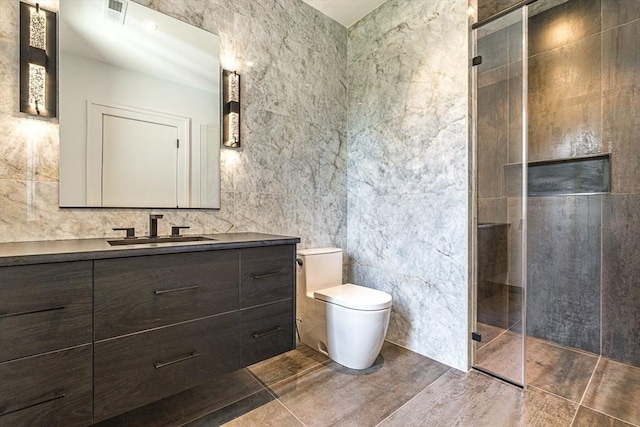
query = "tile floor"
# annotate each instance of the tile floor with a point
(304, 388)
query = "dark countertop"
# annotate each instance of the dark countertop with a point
(24, 253)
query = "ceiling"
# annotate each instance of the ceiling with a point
(346, 12)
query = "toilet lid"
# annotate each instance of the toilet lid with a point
(355, 297)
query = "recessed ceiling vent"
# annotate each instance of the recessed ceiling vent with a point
(115, 10)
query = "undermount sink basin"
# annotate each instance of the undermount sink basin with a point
(147, 240)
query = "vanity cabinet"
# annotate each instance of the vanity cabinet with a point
(134, 294)
(44, 307)
(45, 344)
(167, 323)
(84, 341)
(266, 331)
(50, 389)
(138, 369)
(267, 302)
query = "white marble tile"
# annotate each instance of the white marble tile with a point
(9, 56)
(409, 154)
(320, 221)
(425, 315)
(29, 211)
(407, 170)
(191, 11)
(422, 235)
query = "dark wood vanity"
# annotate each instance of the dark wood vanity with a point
(88, 335)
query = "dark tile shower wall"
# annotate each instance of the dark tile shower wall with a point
(621, 278)
(563, 281)
(584, 99)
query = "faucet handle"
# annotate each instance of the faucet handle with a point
(131, 232)
(175, 231)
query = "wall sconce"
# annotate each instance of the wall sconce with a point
(231, 109)
(38, 93)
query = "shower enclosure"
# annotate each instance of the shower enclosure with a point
(500, 83)
(556, 247)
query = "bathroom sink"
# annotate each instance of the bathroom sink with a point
(147, 240)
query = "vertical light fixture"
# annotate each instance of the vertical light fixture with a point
(38, 57)
(231, 109)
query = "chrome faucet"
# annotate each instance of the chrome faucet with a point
(153, 225)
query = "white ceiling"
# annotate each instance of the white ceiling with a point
(346, 12)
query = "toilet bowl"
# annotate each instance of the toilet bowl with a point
(346, 322)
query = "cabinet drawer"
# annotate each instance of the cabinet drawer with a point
(267, 274)
(138, 369)
(52, 389)
(266, 331)
(139, 293)
(44, 307)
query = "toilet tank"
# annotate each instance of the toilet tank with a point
(321, 268)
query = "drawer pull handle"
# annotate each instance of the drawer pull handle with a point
(161, 364)
(24, 313)
(265, 333)
(59, 394)
(168, 291)
(265, 275)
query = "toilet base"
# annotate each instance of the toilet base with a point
(355, 337)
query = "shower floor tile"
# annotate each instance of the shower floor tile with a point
(503, 356)
(488, 333)
(615, 390)
(559, 370)
(589, 417)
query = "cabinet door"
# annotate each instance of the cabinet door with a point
(266, 331)
(267, 274)
(44, 307)
(141, 368)
(139, 293)
(52, 389)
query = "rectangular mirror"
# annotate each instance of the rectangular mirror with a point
(139, 108)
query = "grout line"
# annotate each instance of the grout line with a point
(564, 347)
(277, 398)
(218, 409)
(555, 395)
(610, 416)
(417, 394)
(593, 373)
(496, 337)
(289, 411)
(586, 390)
(297, 374)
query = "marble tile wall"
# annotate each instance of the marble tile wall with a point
(290, 177)
(407, 170)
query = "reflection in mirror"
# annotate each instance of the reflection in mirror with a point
(139, 108)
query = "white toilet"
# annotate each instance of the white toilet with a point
(346, 322)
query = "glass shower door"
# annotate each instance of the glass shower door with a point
(500, 160)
